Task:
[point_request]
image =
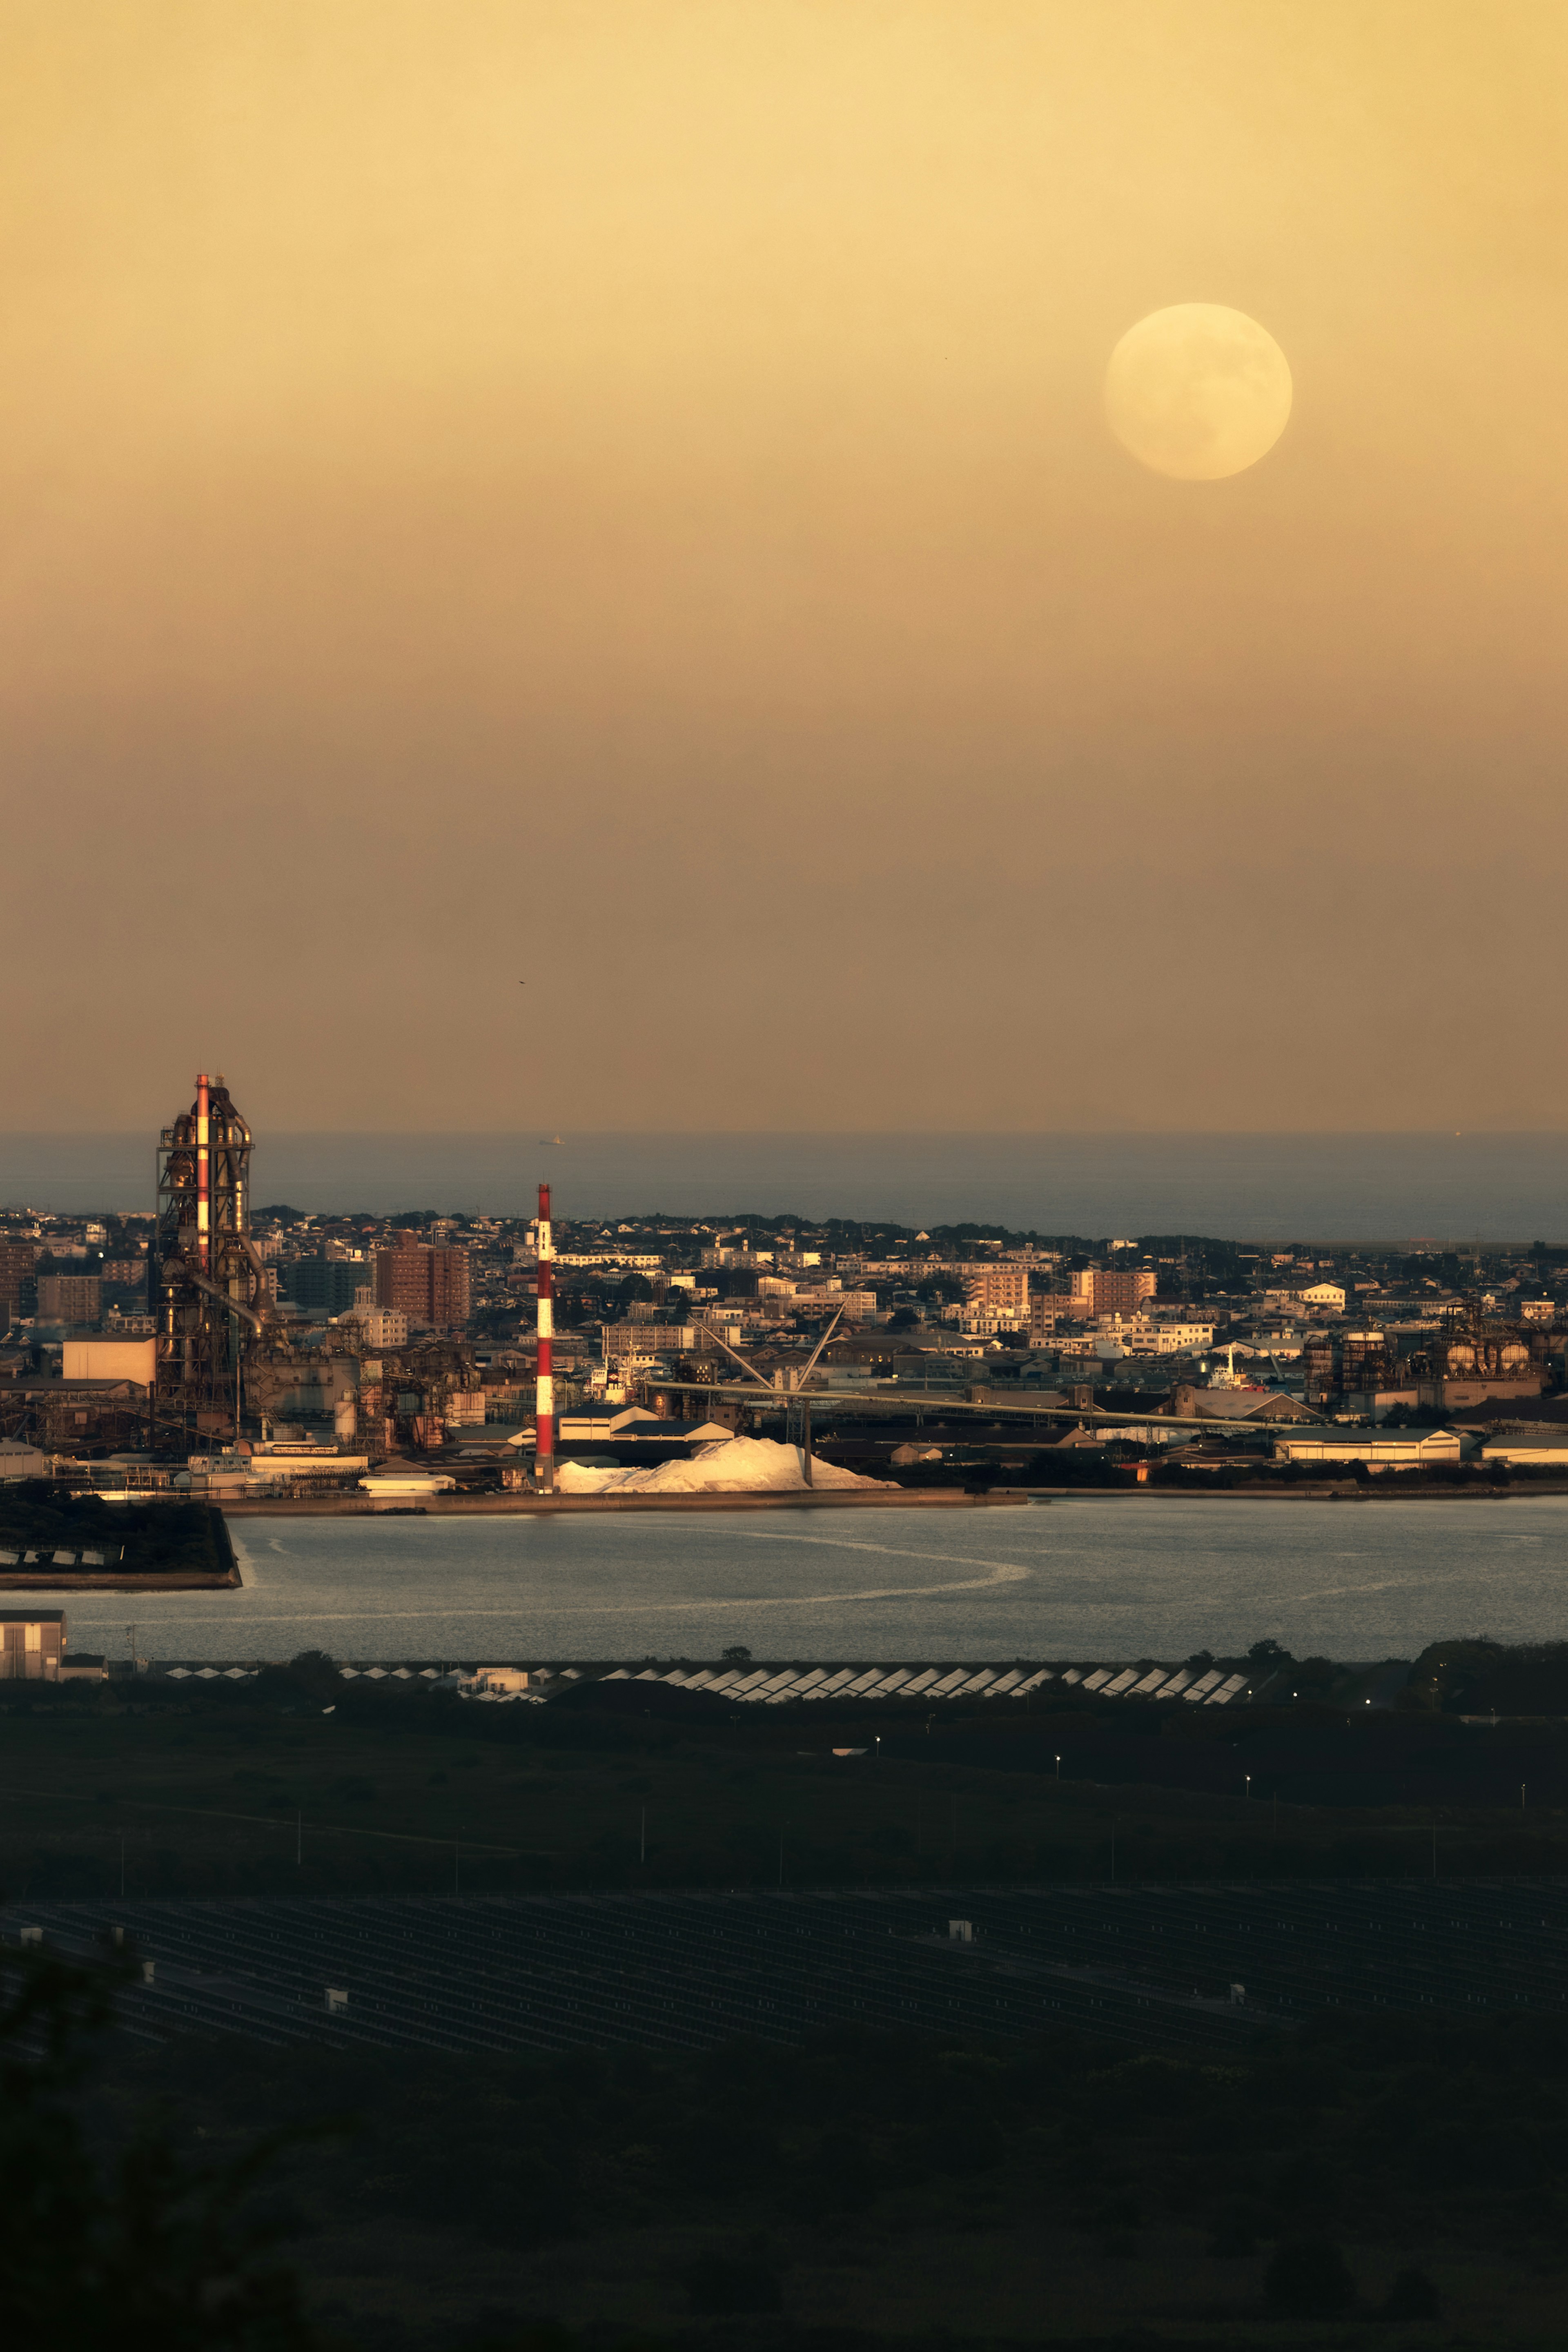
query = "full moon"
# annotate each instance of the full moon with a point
(1197, 391)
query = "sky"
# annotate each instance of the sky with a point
(619, 499)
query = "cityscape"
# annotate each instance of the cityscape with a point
(211, 1348)
(783, 1236)
(976, 1837)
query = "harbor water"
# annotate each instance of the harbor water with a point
(1091, 1576)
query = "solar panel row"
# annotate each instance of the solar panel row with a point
(1158, 1966)
(769, 1685)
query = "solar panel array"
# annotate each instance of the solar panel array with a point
(770, 1686)
(1180, 1967)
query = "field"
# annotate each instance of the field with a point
(908, 2188)
(258, 1788)
(580, 2080)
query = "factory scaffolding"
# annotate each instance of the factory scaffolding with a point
(207, 1283)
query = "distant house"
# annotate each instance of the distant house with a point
(1328, 1298)
(1324, 1297)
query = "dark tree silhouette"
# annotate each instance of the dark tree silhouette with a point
(134, 2246)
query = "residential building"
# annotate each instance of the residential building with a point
(647, 1338)
(1323, 1297)
(1182, 1338)
(1111, 1290)
(1092, 1291)
(1140, 1335)
(625, 1261)
(323, 1285)
(17, 1260)
(999, 1290)
(383, 1326)
(426, 1281)
(70, 1298)
(856, 1304)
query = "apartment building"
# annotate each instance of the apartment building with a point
(1092, 1291)
(426, 1281)
(69, 1297)
(997, 1290)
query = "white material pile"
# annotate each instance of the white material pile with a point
(730, 1466)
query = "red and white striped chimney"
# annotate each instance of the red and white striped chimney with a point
(203, 1175)
(544, 1387)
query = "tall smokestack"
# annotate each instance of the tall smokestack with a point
(544, 1388)
(203, 1175)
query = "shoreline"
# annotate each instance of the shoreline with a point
(1378, 1492)
(67, 1580)
(80, 1582)
(118, 1579)
(475, 1507)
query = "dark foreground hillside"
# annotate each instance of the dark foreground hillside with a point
(913, 2188)
(646, 2028)
(297, 1783)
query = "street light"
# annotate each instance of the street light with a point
(1059, 1768)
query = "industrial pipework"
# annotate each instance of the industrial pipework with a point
(545, 1381)
(208, 1285)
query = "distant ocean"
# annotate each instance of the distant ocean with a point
(1278, 1188)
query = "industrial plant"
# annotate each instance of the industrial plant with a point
(211, 1346)
(220, 1385)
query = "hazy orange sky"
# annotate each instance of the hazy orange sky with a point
(617, 493)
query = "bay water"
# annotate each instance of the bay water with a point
(1089, 1578)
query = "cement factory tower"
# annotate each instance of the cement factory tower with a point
(545, 1370)
(208, 1285)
